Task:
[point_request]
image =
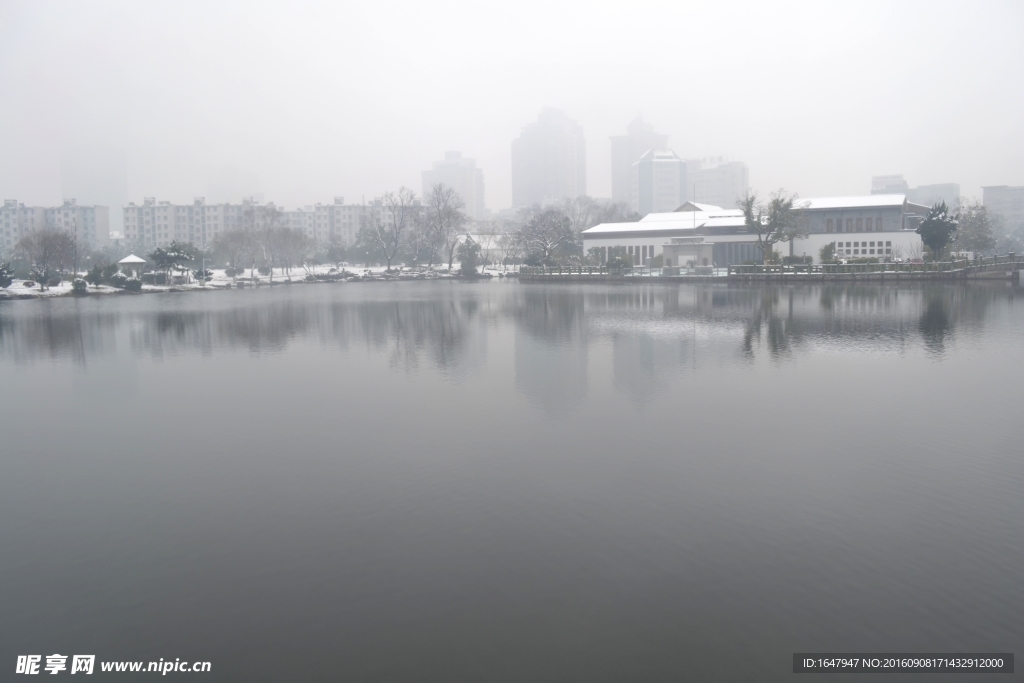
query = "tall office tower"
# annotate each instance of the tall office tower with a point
(716, 181)
(626, 150)
(549, 160)
(658, 182)
(930, 195)
(463, 176)
(889, 184)
(1005, 201)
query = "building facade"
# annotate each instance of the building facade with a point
(463, 176)
(879, 226)
(627, 150)
(1005, 201)
(926, 195)
(658, 182)
(549, 161)
(91, 224)
(158, 223)
(716, 181)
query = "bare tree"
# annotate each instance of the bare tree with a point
(581, 212)
(548, 233)
(230, 246)
(444, 211)
(511, 246)
(47, 250)
(399, 214)
(774, 221)
(421, 243)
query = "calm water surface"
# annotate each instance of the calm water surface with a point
(506, 482)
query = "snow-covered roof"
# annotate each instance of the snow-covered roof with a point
(694, 206)
(132, 258)
(870, 201)
(654, 226)
(714, 212)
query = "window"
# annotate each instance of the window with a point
(878, 225)
(828, 225)
(872, 244)
(888, 244)
(849, 225)
(859, 227)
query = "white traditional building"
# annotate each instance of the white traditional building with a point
(881, 226)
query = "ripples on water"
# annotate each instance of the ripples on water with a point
(512, 482)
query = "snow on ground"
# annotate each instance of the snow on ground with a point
(220, 280)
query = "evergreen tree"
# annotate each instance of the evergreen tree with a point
(937, 229)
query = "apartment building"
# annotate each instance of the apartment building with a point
(90, 223)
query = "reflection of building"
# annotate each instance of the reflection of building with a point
(658, 181)
(90, 223)
(1005, 201)
(461, 175)
(880, 226)
(627, 150)
(549, 161)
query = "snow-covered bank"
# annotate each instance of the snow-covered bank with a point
(219, 280)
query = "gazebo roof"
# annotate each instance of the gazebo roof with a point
(132, 259)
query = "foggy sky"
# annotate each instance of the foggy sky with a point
(301, 102)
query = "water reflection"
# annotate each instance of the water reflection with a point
(652, 331)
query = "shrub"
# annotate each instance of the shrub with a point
(796, 260)
(201, 274)
(79, 286)
(109, 271)
(95, 276)
(133, 284)
(54, 281)
(5, 276)
(117, 280)
(263, 270)
(28, 283)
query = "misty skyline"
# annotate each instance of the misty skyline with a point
(301, 103)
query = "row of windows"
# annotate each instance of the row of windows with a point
(854, 225)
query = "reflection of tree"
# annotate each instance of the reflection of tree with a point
(778, 328)
(550, 314)
(551, 346)
(934, 322)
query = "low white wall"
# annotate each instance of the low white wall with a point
(903, 244)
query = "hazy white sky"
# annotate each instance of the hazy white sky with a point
(300, 102)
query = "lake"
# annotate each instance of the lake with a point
(513, 482)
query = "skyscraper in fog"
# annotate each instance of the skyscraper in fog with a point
(463, 176)
(716, 181)
(1005, 201)
(549, 160)
(627, 149)
(658, 182)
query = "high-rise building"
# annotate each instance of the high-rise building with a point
(1005, 201)
(716, 181)
(930, 195)
(549, 160)
(925, 195)
(658, 182)
(463, 176)
(627, 150)
(889, 184)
